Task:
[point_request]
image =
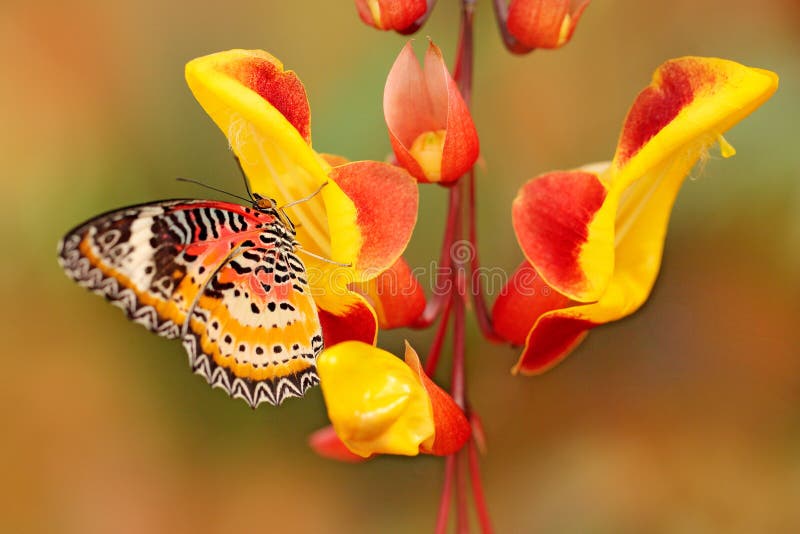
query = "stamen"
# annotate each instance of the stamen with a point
(725, 148)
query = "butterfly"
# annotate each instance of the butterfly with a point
(222, 277)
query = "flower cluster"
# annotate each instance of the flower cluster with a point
(524, 24)
(362, 220)
(595, 235)
(592, 237)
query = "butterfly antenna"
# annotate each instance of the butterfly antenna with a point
(304, 199)
(189, 180)
(244, 178)
(304, 251)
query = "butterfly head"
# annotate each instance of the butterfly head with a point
(270, 206)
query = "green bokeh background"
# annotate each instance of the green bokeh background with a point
(683, 418)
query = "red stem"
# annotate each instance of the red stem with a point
(458, 383)
(458, 391)
(463, 76)
(443, 283)
(482, 314)
(447, 491)
(477, 489)
(464, 57)
(462, 513)
(438, 341)
(454, 300)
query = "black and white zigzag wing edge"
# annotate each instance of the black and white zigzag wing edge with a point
(251, 391)
(79, 268)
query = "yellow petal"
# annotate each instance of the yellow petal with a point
(689, 103)
(672, 123)
(263, 111)
(375, 401)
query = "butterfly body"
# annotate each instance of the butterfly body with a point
(222, 277)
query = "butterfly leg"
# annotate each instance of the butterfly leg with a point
(309, 253)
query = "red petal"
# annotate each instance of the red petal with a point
(552, 339)
(408, 109)
(551, 217)
(364, 13)
(394, 14)
(522, 301)
(396, 295)
(386, 200)
(452, 428)
(461, 146)
(658, 104)
(327, 444)
(538, 23)
(417, 101)
(526, 313)
(357, 322)
(283, 89)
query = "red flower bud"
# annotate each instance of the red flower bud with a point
(543, 23)
(429, 123)
(397, 15)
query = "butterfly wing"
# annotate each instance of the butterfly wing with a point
(152, 260)
(254, 330)
(231, 266)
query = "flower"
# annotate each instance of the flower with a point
(543, 23)
(327, 444)
(362, 218)
(430, 127)
(397, 15)
(395, 294)
(595, 235)
(379, 404)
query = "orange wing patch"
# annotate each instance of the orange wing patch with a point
(255, 331)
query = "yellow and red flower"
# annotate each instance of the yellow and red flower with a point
(543, 23)
(397, 15)
(595, 235)
(362, 218)
(380, 404)
(430, 126)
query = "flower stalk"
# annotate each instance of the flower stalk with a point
(571, 279)
(443, 279)
(455, 279)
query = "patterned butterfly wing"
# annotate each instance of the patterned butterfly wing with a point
(255, 331)
(157, 261)
(151, 260)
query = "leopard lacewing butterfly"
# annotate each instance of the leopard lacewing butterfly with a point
(222, 277)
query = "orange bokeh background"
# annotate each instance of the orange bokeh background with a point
(683, 418)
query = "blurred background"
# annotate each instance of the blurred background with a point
(683, 418)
